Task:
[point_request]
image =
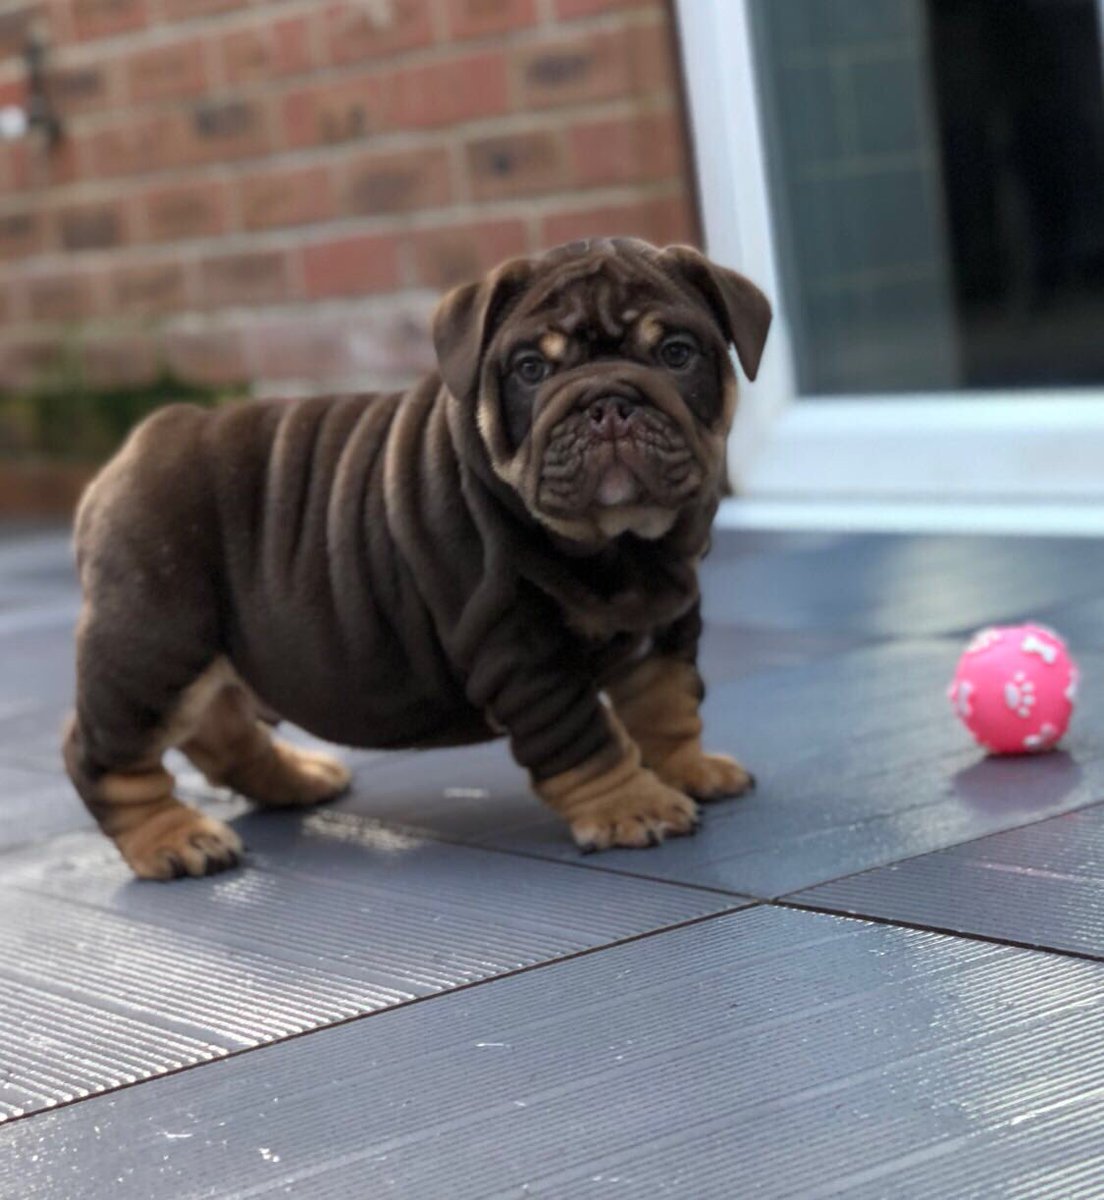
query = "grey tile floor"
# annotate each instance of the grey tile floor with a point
(878, 976)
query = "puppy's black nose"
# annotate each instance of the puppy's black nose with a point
(611, 416)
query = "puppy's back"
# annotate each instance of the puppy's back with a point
(145, 492)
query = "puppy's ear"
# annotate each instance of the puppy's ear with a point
(466, 319)
(742, 310)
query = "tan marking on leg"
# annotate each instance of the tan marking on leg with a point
(612, 800)
(217, 725)
(159, 837)
(234, 748)
(195, 701)
(658, 702)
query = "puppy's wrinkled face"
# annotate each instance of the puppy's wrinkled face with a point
(601, 382)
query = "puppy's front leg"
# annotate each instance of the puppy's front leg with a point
(612, 799)
(582, 762)
(658, 701)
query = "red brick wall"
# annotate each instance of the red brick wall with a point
(276, 190)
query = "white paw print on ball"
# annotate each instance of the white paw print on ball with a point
(1032, 644)
(960, 695)
(983, 640)
(1043, 740)
(1019, 694)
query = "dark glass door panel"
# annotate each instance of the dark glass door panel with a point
(937, 171)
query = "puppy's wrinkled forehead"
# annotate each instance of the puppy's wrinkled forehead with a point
(597, 293)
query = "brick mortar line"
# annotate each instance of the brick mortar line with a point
(214, 65)
(64, 55)
(239, 319)
(459, 179)
(438, 19)
(295, 271)
(260, 15)
(91, 124)
(377, 305)
(385, 142)
(295, 387)
(117, 49)
(297, 237)
(395, 141)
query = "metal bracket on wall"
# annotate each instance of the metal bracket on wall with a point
(37, 116)
(41, 115)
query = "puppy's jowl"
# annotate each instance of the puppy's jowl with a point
(511, 547)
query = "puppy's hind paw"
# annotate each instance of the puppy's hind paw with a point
(706, 777)
(290, 777)
(179, 841)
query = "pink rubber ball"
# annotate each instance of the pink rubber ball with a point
(1014, 689)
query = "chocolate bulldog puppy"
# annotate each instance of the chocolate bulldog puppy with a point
(511, 547)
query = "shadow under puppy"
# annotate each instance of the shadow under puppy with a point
(511, 547)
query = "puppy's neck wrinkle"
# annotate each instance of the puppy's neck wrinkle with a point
(481, 483)
(627, 585)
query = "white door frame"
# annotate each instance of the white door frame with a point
(719, 70)
(995, 448)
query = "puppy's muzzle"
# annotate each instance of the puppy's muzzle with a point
(612, 417)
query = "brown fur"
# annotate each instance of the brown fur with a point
(658, 702)
(157, 835)
(613, 800)
(649, 331)
(216, 725)
(432, 568)
(553, 345)
(234, 749)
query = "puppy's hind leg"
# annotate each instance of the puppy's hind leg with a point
(233, 748)
(116, 769)
(157, 835)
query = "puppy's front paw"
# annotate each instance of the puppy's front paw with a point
(642, 812)
(706, 776)
(178, 840)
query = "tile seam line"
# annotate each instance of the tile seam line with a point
(942, 930)
(716, 889)
(533, 856)
(623, 873)
(675, 927)
(737, 901)
(786, 898)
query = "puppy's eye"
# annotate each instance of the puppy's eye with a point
(531, 368)
(677, 353)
